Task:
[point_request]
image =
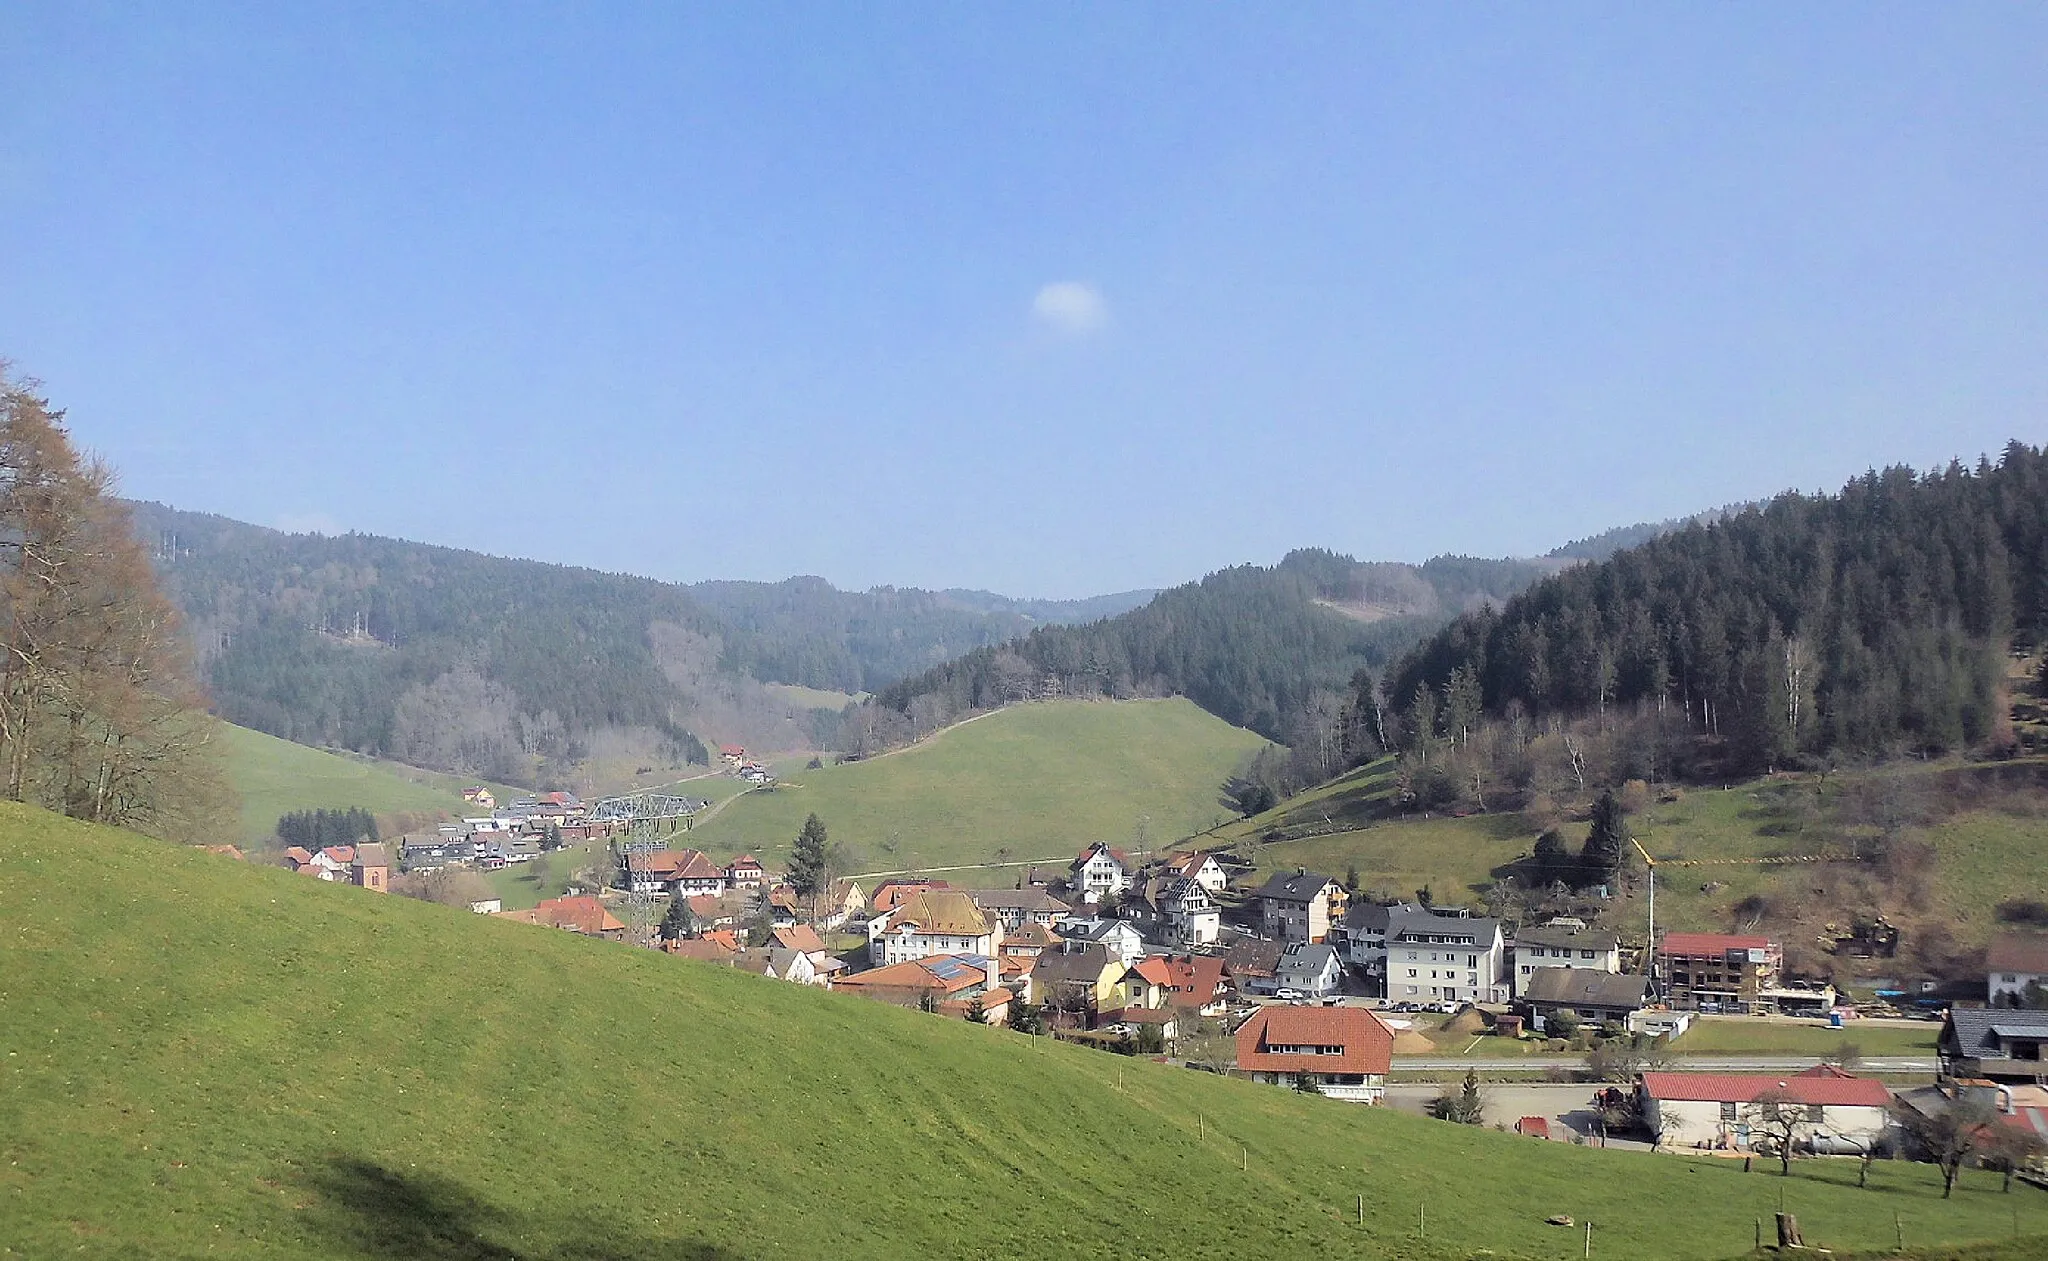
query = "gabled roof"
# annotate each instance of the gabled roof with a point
(299, 855)
(891, 894)
(1027, 901)
(579, 915)
(745, 861)
(1410, 926)
(372, 855)
(2018, 952)
(1078, 967)
(1194, 979)
(1553, 936)
(802, 938)
(1313, 958)
(943, 974)
(1368, 1043)
(703, 948)
(1249, 956)
(1094, 929)
(1821, 1085)
(1588, 986)
(343, 854)
(1362, 917)
(1300, 886)
(1189, 864)
(1027, 934)
(1153, 969)
(1701, 944)
(1101, 847)
(1975, 1032)
(939, 911)
(674, 864)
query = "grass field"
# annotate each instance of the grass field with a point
(1035, 780)
(1710, 844)
(1740, 1035)
(275, 777)
(199, 1056)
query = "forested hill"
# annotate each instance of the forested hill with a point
(1269, 648)
(1873, 620)
(806, 631)
(495, 667)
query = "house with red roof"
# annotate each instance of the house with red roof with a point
(1725, 971)
(1722, 1111)
(746, 872)
(1197, 985)
(948, 984)
(1344, 1052)
(585, 915)
(2014, 962)
(683, 873)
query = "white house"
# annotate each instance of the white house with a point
(2013, 963)
(1563, 943)
(1445, 958)
(1723, 1110)
(934, 922)
(1100, 872)
(1310, 968)
(1362, 934)
(1202, 868)
(1122, 940)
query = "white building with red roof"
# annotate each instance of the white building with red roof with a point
(2014, 962)
(1722, 1111)
(1345, 1052)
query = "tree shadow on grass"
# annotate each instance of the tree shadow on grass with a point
(379, 1212)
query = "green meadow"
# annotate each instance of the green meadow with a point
(275, 777)
(1029, 781)
(205, 1057)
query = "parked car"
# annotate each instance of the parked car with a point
(1288, 994)
(1836, 1145)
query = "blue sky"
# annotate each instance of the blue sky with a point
(1049, 300)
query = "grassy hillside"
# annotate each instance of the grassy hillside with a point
(203, 1057)
(1036, 780)
(1964, 838)
(275, 777)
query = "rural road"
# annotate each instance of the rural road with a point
(1696, 1063)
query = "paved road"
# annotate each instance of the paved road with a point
(1696, 1063)
(1568, 1108)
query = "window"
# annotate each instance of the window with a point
(1727, 1111)
(1411, 976)
(1585, 954)
(1815, 1114)
(1471, 961)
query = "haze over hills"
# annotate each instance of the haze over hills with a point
(506, 668)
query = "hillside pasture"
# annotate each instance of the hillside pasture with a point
(199, 1056)
(1029, 781)
(275, 777)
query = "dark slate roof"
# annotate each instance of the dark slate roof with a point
(1972, 1029)
(1081, 966)
(1429, 922)
(1571, 938)
(1372, 917)
(1587, 987)
(1296, 887)
(1306, 957)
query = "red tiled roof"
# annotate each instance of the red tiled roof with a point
(298, 855)
(803, 939)
(343, 854)
(725, 937)
(675, 864)
(1710, 943)
(701, 948)
(1154, 969)
(580, 914)
(1194, 979)
(1822, 1085)
(1368, 1043)
(2016, 953)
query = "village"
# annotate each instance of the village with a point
(1292, 981)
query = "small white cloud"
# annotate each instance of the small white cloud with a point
(309, 523)
(1070, 307)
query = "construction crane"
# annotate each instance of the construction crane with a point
(1650, 947)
